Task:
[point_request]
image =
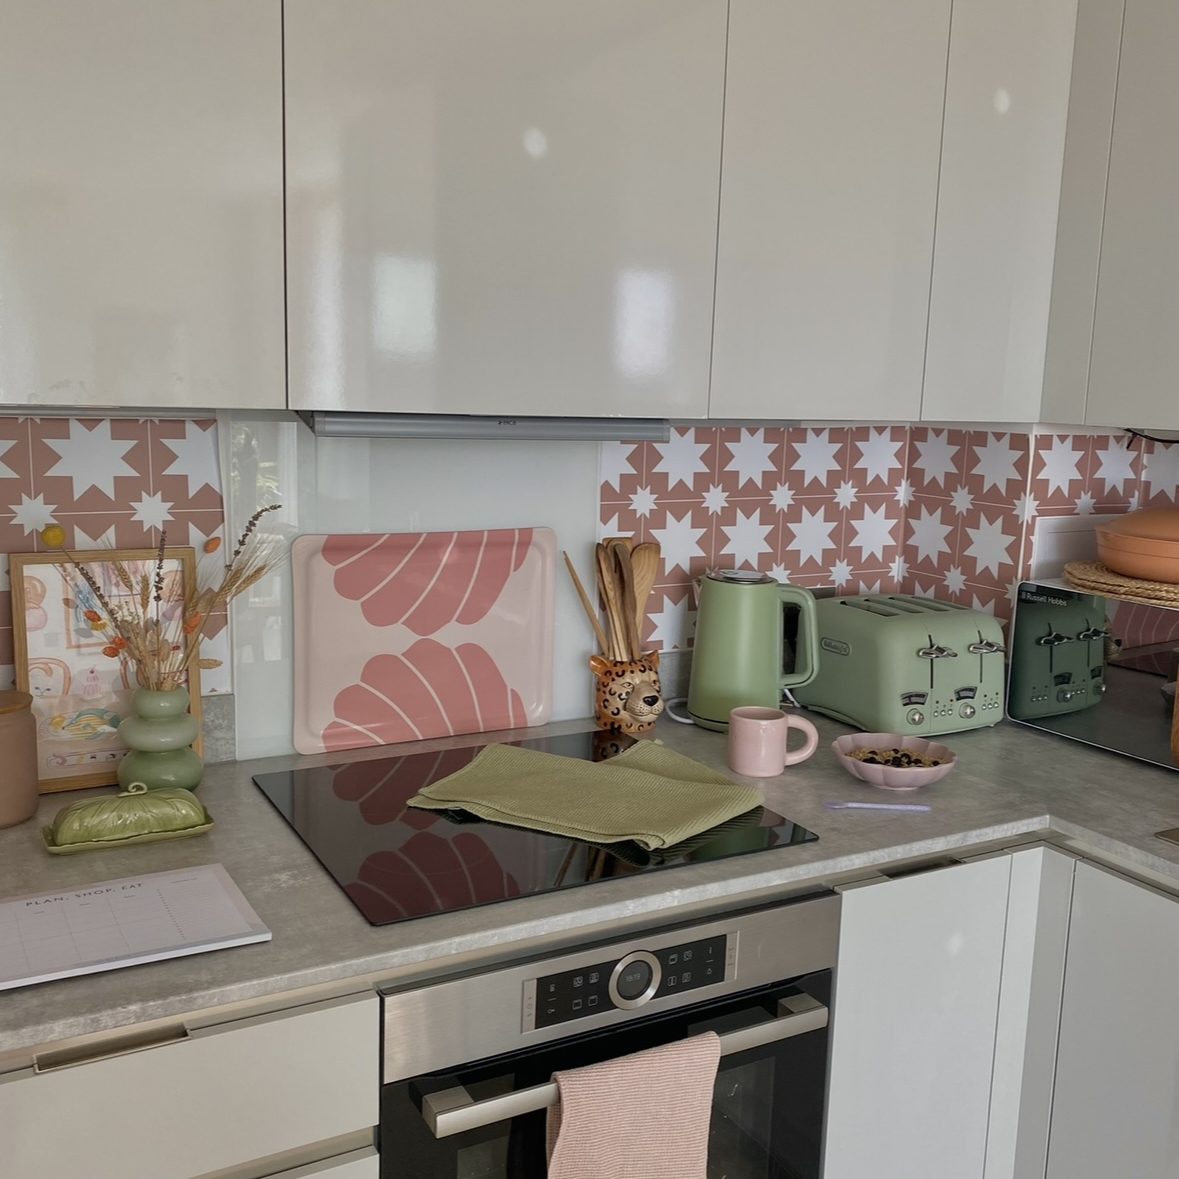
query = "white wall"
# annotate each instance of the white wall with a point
(392, 485)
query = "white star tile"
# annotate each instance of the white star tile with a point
(151, 511)
(841, 574)
(611, 527)
(679, 542)
(927, 534)
(103, 538)
(961, 501)
(6, 472)
(716, 499)
(614, 462)
(750, 457)
(878, 456)
(1062, 464)
(1085, 504)
(873, 533)
(845, 494)
(91, 458)
(988, 545)
(816, 456)
(32, 514)
(936, 457)
(1026, 508)
(642, 502)
(196, 458)
(746, 539)
(812, 536)
(780, 573)
(674, 625)
(904, 493)
(681, 458)
(995, 462)
(1161, 472)
(1115, 464)
(782, 497)
(899, 569)
(869, 590)
(955, 580)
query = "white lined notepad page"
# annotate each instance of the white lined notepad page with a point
(124, 922)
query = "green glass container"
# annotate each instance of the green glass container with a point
(159, 736)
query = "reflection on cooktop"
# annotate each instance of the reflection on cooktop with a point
(396, 862)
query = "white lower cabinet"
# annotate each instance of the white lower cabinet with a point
(1116, 1106)
(943, 1039)
(355, 1165)
(216, 1098)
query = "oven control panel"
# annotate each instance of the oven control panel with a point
(625, 983)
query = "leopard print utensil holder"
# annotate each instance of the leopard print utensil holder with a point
(627, 694)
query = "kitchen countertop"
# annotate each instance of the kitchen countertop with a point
(1010, 781)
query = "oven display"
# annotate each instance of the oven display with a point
(635, 979)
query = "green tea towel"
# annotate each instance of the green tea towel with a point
(647, 794)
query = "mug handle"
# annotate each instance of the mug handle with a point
(809, 746)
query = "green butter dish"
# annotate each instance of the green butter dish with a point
(136, 815)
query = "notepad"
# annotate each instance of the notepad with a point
(124, 922)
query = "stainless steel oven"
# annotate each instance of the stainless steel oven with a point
(468, 1062)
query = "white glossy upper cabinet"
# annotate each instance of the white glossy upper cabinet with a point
(141, 247)
(1134, 379)
(503, 208)
(829, 182)
(1018, 215)
(1117, 1069)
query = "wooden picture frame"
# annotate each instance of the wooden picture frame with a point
(80, 694)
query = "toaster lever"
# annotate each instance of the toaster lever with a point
(985, 647)
(1092, 632)
(1053, 640)
(936, 651)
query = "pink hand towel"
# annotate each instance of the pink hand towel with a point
(644, 1116)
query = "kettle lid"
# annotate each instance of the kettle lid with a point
(739, 576)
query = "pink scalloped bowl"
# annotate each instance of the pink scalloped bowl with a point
(893, 777)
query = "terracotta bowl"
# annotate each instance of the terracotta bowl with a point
(893, 777)
(1143, 544)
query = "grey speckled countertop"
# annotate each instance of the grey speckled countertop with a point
(1010, 781)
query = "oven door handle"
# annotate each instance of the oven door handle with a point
(454, 1111)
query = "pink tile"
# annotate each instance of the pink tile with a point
(1115, 469)
(930, 532)
(750, 460)
(996, 466)
(989, 550)
(816, 460)
(872, 532)
(1061, 469)
(671, 618)
(621, 467)
(1160, 474)
(812, 536)
(184, 464)
(686, 540)
(877, 457)
(744, 535)
(684, 467)
(936, 459)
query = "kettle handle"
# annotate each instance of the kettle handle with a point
(806, 653)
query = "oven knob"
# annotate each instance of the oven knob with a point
(915, 716)
(966, 712)
(634, 980)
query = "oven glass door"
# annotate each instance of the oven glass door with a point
(767, 1113)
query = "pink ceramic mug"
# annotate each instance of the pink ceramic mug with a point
(758, 737)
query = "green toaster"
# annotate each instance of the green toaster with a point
(893, 663)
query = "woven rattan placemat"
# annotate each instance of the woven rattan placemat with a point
(1097, 579)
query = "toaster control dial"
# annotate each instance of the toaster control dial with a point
(966, 712)
(915, 716)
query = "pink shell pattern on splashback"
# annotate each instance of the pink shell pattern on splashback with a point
(413, 873)
(425, 580)
(430, 690)
(384, 801)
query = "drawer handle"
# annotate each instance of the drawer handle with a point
(452, 1111)
(48, 1062)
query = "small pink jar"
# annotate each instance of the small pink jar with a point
(18, 758)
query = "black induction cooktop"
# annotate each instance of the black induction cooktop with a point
(396, 862)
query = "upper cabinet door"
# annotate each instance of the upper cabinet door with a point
(502, 208)
(141, 203)
(1007, 99)
(832, 133)
(1135, 365)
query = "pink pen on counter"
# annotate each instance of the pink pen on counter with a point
(877, 806)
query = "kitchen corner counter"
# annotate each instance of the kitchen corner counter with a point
(1011, 782)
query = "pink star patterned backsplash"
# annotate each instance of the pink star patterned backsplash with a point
(109, 482)
(947, 513)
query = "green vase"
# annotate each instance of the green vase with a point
(160, 736)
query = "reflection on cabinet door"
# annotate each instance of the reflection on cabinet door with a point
(141, 247)
(1135, 365)
(357, 1165)
(503, 208)
(1117, 1083)
(829, 182)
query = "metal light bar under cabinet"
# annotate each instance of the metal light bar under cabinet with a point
(473, 426)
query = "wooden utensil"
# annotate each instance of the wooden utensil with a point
(644, 561)
(626, 586)
(608, 587)
(590, 612)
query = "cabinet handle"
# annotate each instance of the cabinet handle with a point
(452, 1111)
(48, 1062)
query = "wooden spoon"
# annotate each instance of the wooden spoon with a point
(626, 586)
(644, 561)
(608, 586)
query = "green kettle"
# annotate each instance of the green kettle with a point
(754, 638)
